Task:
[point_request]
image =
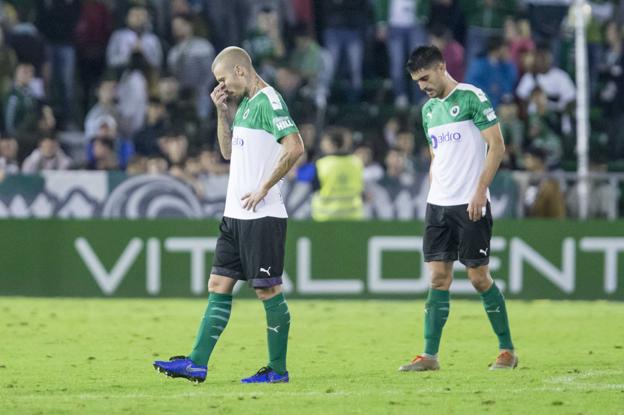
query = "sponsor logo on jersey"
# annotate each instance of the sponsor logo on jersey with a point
(237, 141)
(283, 122)
(454, 110)
(489, 114)
(447, 137)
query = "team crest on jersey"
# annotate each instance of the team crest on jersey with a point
(454, 110)
(246, 114)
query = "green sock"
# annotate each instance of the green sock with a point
(494, 304)
(212, 325)
(436, 313)
(278, 324)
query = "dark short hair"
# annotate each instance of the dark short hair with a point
(188, 18)
(336, 135)
(494, 43)
(536, 151)
(46, 135)
(424, 57)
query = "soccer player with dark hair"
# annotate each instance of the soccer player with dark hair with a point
(466, 147)
(258, 136)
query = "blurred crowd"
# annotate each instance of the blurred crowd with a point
(125, 84)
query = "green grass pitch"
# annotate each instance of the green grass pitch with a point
(88, 356)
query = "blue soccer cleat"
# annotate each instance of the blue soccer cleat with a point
(267, 375)
(182, 367)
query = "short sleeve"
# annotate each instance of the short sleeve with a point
(484, 115)
(425, 114)
(280, 123)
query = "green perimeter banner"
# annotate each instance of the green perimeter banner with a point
(530, 259)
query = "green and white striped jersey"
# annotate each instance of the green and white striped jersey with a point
(259, 124)
(453, 128)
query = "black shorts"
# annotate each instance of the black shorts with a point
(251, 250)
(449, 233)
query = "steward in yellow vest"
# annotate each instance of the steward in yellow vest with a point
(339, 180)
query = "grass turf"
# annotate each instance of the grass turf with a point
(94, 356)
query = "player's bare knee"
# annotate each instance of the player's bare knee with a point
(267, 293)
(480, 278)
(441, 280)
(220, 285)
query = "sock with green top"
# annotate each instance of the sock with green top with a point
(494, 304)
(215, 319)
(278, 324)
(436, 314)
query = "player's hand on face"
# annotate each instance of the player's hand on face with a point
(477, 206)
(219, 97)
(251, 200)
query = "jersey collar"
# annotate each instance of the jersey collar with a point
(450, 93)
(258, 93)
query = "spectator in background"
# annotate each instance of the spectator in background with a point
(8, 157)
(133, 93)
(285, 10)
(104, 157)
(106, 105)
(106, 129)
(29, 46)
(345, 26)
(8, 62)
(190, 62)
(134, 39)
(452, 51)
(603, 195)
(265, 44)
(175, 149)
(396, 176)
(554, 82)
(156, 126)
(401, 24)
(543, 197)
(372, 170)
(448, 13)
(304, 71)
(541, 126)
(57, 21)
(545, 18)
(20, 108)
(519, 41)
(484, 19)
(513, 131)
(228, 21)
(156, 165)
(47, 156)
(191, 10)
(137, 166)
(493, 72)
(610, 94)
(93, 31)
(339, 182)
(303, 11)
(405, 144)
(181, 110)
(213, 174)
